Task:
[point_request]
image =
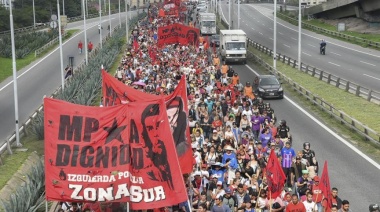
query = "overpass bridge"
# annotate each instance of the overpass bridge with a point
(368, 10)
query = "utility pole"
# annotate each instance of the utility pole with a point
(275, 35)
(299, 35)
(34, 16)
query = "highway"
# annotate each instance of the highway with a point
(43, 76)
(352, 62)
(354, 176)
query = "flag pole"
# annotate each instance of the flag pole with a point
(315, 203)
(15, 93)
(270, 201)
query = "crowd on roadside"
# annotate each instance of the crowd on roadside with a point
(232, 130)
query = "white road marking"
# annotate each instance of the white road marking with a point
(293, 38)
(306, 54)
(29, 69)
(286, 45)
(280, 33)
(378, 56)
(367, 63)
(263, 24)
(271, 38)
(253, 28)
(335, 53)
(270, 28)
(334, 64)
(348, 144)
(371, 76)
(261, 33)
(312, 45)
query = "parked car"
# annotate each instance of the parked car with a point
(269, 87)
(215, 40)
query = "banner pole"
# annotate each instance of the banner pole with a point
(46, 206)
(127, 206)
(270, 201)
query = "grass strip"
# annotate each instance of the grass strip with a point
(6, 69)
(340, 99)
(288, 17)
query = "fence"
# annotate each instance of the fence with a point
(339, 115)
(50, 43)
(358, 90)
(23, 127)
(332, 33)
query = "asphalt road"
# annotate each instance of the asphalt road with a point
(352, 62)
(354, 176)
(43, 76)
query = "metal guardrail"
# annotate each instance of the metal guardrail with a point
(361, 41)
(23, 129)
(359, 90)
(50, 43)
(343, 118)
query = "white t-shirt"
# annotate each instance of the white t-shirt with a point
(309, 205)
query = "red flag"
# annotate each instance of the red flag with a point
(275, 176)
(111, 154)
(115, 93)
(135, 45)
(325, 185)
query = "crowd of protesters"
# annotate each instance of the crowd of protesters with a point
(232, 131)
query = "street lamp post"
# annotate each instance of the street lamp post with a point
(119, 15)
(100, 24)
(34, 16)
(275, 35)
(238, 14)
(299, 35)
(126, 21)
(63, 7)
(15, 93)
(229, 14)
(85, 31)
(60, 46)
(109, 16)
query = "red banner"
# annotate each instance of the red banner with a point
(275, 176)
(325, 185)
(178, 33)
(111, 154)
(115, 92)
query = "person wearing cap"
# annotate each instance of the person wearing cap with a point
(218, 170)
(219, 206)
(303, 183)
(230, 200)
(229, 161)
(317, 194)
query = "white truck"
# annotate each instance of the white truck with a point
(233, 45)
(207, 22)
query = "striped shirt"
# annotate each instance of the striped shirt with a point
(287, 157)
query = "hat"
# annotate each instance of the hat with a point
(208, 98)
(228, 147)
(214, 131)
(316, 179)
(218, 164)
(219, 183)
(305, 172)
(228, 191)
(273, 144)
(197, 173)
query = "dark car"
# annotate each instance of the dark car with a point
(269, 87)
(214, 40)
